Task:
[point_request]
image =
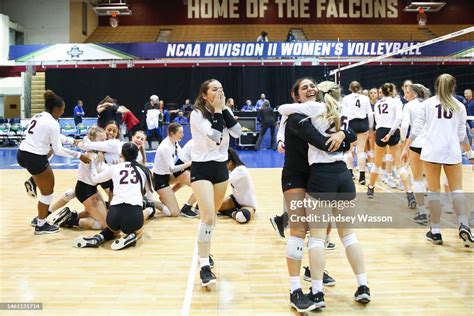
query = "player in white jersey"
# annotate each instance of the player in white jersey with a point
(43, 132)
(415, 94)
(211, 124)
(166, 172)
(242, 203)
(388, 116)
(131, 180)
(444, 118)
(357, 108)
(373, 97)
(330, 179)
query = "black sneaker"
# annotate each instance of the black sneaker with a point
(411, 200)
(329, 245)
(186, 211)
(71, 221)
(277, 223)
(327, 279)
(370, 193)
(149, 204)
(362, 295)
(207, 277)
(317, 298)
(89, 242)
(362, 178)
(46, 228)
(301, 301)
(125, 242)
(61, 216)
(153, 211)
(30, 187)
(211, 261)
(434, 238)
(466, 235)
(421, 219)
(34, 221)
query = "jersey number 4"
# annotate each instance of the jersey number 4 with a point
(125, 177)
(443, 112)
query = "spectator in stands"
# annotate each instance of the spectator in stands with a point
(469, 105)
(290, 37)
(108, 110)
(260, 102)
(186, 107)
(78, 112)
(165, 111)
(405, 86)
(267, 120)
(181, 119)
(132, 122)
(249, 107)
(150, 104)
(263, 37)
(230, 104)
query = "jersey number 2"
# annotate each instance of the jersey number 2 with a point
(125, 174)
(32, 125)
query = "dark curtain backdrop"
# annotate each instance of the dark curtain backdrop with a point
(133, 87)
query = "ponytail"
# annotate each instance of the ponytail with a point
(444, 86)
(330, 93)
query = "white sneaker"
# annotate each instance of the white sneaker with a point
(124, 242)
(471, 221)
(391, 183)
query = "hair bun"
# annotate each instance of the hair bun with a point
(49, 95)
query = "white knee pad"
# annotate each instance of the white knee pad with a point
(205, 232)
(419, 186)
(433, 196)
(402, 170)
(361, 156)
(375, 169)
(458, 194)
(349, 240)
(96, 225)
(388, 158)
(68, 195)
(315, 243)
(46, 199)
(371, 154)
(294, 248)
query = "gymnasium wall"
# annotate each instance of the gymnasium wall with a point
(173, 12)
(133, 87)
(75, 17)
(45, 21)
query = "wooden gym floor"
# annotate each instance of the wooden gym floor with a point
(407, 275)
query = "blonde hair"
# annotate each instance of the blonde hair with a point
(444, 86)
(142, 148)
(330, 93)
(355, 87)
(94, 131)
(420, 91)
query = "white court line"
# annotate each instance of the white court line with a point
(399, 197)
(188, 296)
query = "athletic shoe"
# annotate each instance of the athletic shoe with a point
(391, 183)
(384, 178)
(125, 242)
(30, 187)
(330, 245)
(466, 235)
(301, 301)
(211, 261)
(71, 221)
(153, 211)
(411, 200)
(436, 239)
(207, 277)
(89, 242)
(277, 223)
(186, 211)
(59, 217)
(471, 221)
(362, 178)
(362, 182)
(421, 219)
(362, 295)
(327, 279)
(34, 221)
(46, 228)
(370, 193)
(317, 298)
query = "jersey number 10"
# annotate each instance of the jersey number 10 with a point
(443, 112)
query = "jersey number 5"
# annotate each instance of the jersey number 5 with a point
(125, 177)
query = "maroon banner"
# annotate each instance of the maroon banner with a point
(184, 12)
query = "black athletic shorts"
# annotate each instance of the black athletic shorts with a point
(161, 181)
(293, 180)
(331, 181)
(213, 171)
(35, 164)
(381, 132)
(179, 162)
(84, 191)
(415, 149)
(359, 125)
(108, 185)
(125, 217)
